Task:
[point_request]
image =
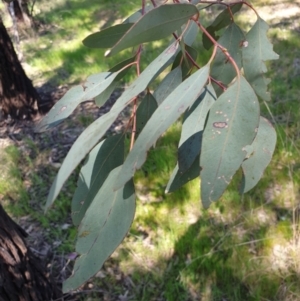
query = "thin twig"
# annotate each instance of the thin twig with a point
(223, 49)
(220, 84)
(134, 108)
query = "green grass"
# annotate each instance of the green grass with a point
(58, 53)
(24, 185)
(241, 248)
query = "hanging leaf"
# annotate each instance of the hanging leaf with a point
(225, 17)
(84, 143)
(154, 25)
(192, 127)
(178, 178)
(263, 147)
(148, 75)
(257, 49)
(122, 64)
(104, 226)
(107, 37)
(93, 86)
(186, 65)
(172, 80)
(145, 110)
(103, 97)
(94, 132)
(106, 156)
(165, 115)
(221, 21)
(231, 126)
(190, 34)
(221, 68)
(207, 43)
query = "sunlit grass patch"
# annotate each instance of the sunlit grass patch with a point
(58, 55)
(12, 191)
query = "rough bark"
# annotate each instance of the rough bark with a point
(22, 275)
(18, 97)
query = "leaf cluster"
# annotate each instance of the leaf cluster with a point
(222, 130)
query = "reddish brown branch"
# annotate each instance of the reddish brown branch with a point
(220, 84)
(223, 49)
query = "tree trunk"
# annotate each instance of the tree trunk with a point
(21, 12)
(17, 94)
(22, 276)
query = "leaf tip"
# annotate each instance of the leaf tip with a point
(205, 203)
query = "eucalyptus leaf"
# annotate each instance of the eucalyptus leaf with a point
(104, 226)
(192, 128)
(186, 65)
(107, 37)
(180, 178)
(145, 110)
(263, 147)
(221, 21)
(103, 97)
(94, 132)
(155, 26)
(231, 126)
(232, 39)
(190, 33)
(172, 80)
(94, 85)
(256, 50)
(103, 158)
(165, 115)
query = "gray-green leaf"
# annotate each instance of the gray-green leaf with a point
(107, 37)
(104, 226)
(145, 111)
(221, 69)
(258, 49)
(262, 150)
(221, 21)
(231, 126)
(192, 127)
(94, 132)
(178, 178)
(171, 81)
(186, 65)
(103, 97)
(106, 156)
(157, 24)
(94, 85)
(165, 115)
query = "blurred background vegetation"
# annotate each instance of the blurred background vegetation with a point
(244, 247)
